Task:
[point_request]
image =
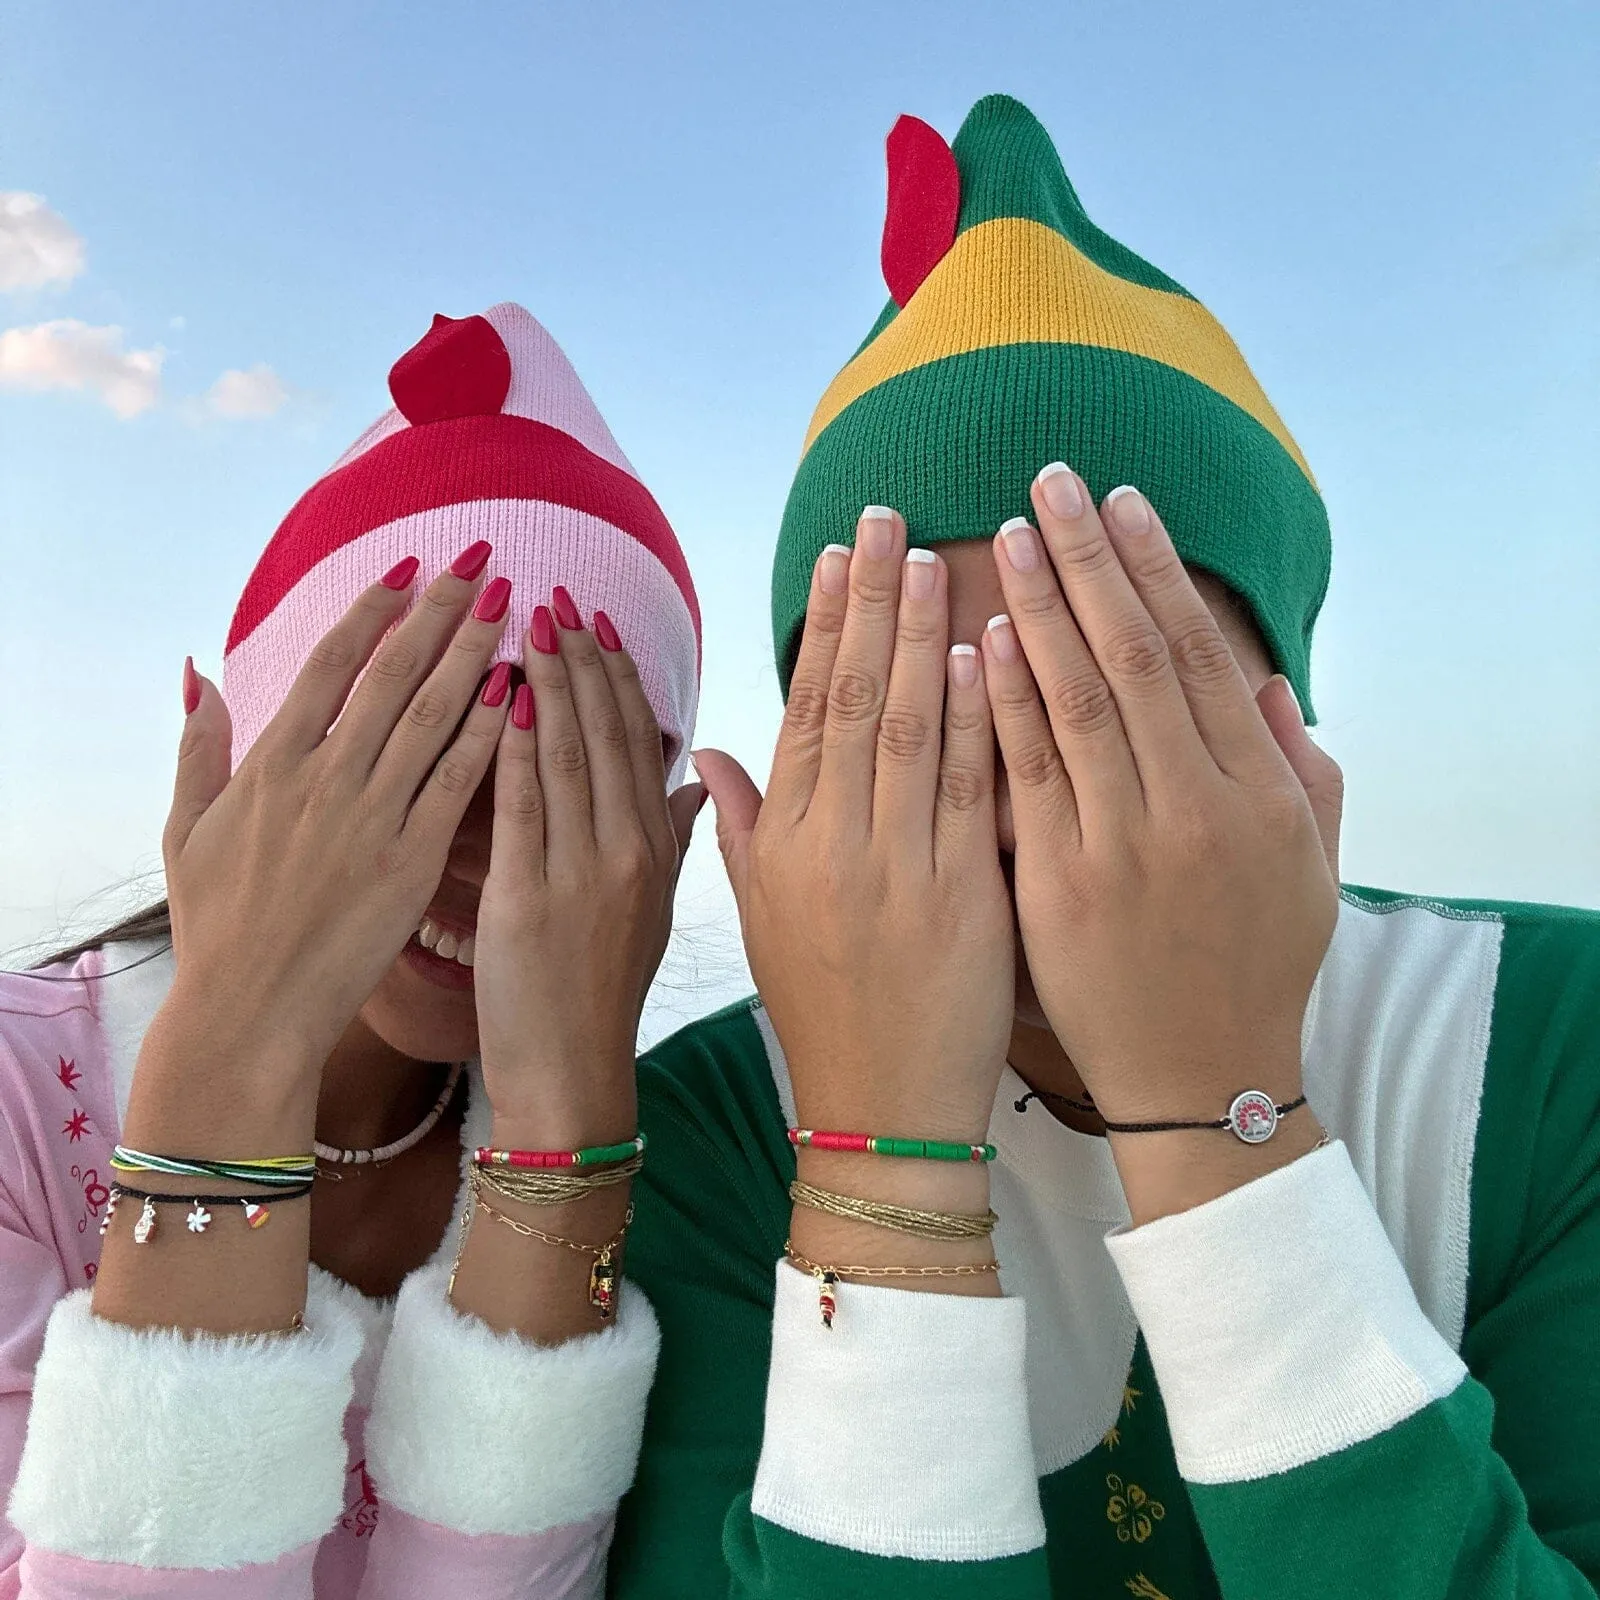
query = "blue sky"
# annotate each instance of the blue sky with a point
(1394, 208)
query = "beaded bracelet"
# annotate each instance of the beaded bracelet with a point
(537, 1188)
(199, 1219)
(271, 1172)
(589, 1156)
(877, 1144)
(901, 1219)
(828, 1277)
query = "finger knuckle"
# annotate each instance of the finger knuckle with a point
(904, 734)
(964, 721)
(1137, 654)
(332, 657)
(609, 731)
(456, 774)
(567, 755)
(872, 597)
(807, 709)
(919, 632)
(1039, 605)
(1088, 556)
(1202, 655)
(853, 697)
(429, 709)
(1082, 703)
(961, 787)
(1032, 766)
(440, 607)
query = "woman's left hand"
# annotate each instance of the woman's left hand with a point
(1175, 894)
(577, 905)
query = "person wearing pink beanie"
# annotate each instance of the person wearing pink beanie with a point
(315, 1179)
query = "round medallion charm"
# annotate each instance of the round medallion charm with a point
(1253, 1116)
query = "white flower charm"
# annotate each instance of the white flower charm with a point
(199, 1219)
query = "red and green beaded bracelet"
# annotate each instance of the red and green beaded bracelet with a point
(593, 1155)
(876, 1144)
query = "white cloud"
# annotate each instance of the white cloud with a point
(256, 391)
(67, 354)
(37, 246)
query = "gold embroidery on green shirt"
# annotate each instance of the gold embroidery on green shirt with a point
(1131, 1511)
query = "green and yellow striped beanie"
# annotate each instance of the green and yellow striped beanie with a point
(1018, 334)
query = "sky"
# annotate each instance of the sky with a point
(222, 224)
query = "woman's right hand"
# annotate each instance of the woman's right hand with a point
(296, 881)
(875, 915)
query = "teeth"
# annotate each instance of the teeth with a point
(447, 946)
(428, 934)
(466, 950)
(451, 946)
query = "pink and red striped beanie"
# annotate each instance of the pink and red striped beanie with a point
(492, 437)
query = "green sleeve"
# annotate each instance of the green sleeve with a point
(712, 1217)
(1416, 1473)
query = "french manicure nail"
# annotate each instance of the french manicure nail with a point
(522, 707)
(399, 576)
(833, 569)
(566, 612)
(963, 665)
(1058, 483)
(1128, 509)
(191, 687)
(922, 570)
(1002, 638)
(472, 560)
(875, 535)
(494, 690)
(542, 630)
(493, 601)
(1019, 544)
(605, 631)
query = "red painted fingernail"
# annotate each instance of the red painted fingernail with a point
(522, 707)
(494, 691)
(543, 631)
(566, 611)
(472, 560)
(493, 601)
(605, 632)
(399, 576)
(191, 687)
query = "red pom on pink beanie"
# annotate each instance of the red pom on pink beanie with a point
(492, 437)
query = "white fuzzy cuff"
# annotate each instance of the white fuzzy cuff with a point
(156, 1448)
(903, 1429)
(485, 1432)
(1281, 1323)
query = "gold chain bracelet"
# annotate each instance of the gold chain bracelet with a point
(828, 1277)
(901, 1219)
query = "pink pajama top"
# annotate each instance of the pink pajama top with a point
(396, 1448)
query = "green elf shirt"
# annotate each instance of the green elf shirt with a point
(1373, 1373)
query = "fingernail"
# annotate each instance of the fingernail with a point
(472, 560)
(700, 804)
(566, 612)
(963, 665)
(542, 630)
(875, 534)
(1058, 483)
(493, 601)
(494, 691)
(191, 687)
(605, 632)
(522, 707)
(399, 576)
(1021, 548)
(1128, 509)
(833, 569)
(1002, 638)
(921, 573)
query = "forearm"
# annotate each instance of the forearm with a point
(212, 1094)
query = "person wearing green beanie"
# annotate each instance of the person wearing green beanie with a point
(1271, 1262)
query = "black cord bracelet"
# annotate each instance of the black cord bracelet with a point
(1252, 1118)
(256, 1207)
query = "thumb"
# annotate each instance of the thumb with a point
(205, 759)
(683, 806)
(1319, 774)
(738, 803)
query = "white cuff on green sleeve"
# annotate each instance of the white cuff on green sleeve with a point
(903, 1429)
(1280, 1322)
(486, 1432)
(157, 1448)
